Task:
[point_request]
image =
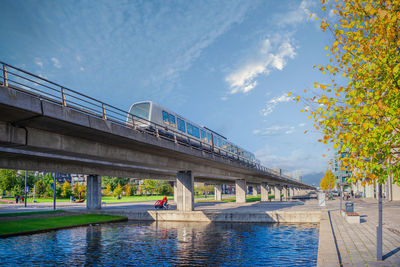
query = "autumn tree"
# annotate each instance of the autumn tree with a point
(358, 110)
(328, 181)
(107, 191)
(118, 191)
(66, 190)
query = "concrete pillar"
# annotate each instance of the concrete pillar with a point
(185, 191)
(255, 193)
(218, 192)
(175, 191)
(278, 193)
(240, 186)
(285, 193)
(264, 192)
(93, 192)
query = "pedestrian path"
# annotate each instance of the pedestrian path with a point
(356, 243)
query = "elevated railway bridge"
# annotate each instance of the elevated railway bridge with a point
(47, 127)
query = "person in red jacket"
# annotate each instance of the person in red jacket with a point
(161, 204)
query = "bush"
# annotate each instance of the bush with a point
(40, 188)
(164, 188)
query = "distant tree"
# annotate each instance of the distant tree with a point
(113, 181)
(328, 181)
(17, 190)
(149, 185)
(118, 191)
(8, 179)
(40, 188)
(75, 191)
(30, 181)
(127, 189)
(66, 190)
(134, 188)
(164, 188)
(107, 191)
(82, 191)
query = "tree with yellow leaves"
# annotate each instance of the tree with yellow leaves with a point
(328, 181)
(360, 113)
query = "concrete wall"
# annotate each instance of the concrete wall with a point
(240, 186)
(200, 216)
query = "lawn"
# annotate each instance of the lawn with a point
(40, 224)
(233, 199)
(30, 213)
(109, 199)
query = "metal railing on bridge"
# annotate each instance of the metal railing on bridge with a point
(29, 83)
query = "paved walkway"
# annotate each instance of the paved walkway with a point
(356, 243)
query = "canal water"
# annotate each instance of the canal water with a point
(167, 244)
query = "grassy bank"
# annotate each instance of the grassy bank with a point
(232, 199)
(27, 226)
(14, 214)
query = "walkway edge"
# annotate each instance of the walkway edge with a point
(327, 252)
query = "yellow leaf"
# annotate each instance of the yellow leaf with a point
(326, 47)
(289, 93)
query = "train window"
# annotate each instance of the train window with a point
(172, 120)
(141, 110)
(165, 117)
(189, 128)
(196, 132)
(209, 137)
(181, 125)
(203, 135)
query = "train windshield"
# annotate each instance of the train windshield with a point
(141, 110)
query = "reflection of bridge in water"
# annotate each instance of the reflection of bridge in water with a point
(47, 127)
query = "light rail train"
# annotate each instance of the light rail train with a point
(147, 115)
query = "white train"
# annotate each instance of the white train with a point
(147, 115)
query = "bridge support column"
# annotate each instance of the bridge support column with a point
(93, 195)
(218, 192)
(285, 193)
(264, 192)
(255, 193)
(277, 193)
(185, 191)
(175, 192)
(240, 186)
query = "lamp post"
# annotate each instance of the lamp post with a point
(379, 227)
(26, 176)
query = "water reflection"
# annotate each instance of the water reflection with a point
(168, 243)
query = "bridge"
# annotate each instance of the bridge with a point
(47, 127)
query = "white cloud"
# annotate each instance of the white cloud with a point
(39, 62)
(302, 124)
(56, 62)
(271, 104)
(290, 131)
(78, 58)
(274, 130)
(297, 15)
(82, 68)
(272, 54)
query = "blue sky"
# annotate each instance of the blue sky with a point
(227, 65)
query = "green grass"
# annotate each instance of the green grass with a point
(46, 200)
(109, 199)
(30, 213)
(41, 224)
(231, 199)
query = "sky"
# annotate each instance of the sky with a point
(227, 65)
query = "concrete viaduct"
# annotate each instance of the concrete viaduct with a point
(43, 133)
